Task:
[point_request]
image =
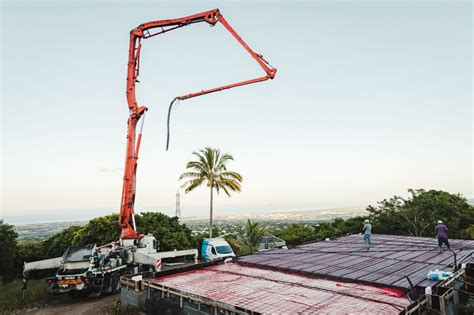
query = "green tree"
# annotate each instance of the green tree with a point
(33, 250)
(8, 249)
(296, 233)
(210, 168)
(417, 215)
(353, 225)
(98, 231)
(252, 234)
(329, 229)
(57, 244)
(237, 246)
(29, 250)
(167, 230)
(468, 232)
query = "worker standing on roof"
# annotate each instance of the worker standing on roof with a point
(367, 232)
(441, 231)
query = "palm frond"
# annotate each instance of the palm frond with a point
(192, 184)
(221, 163)
(201, 159)
(197, 166)
(229, 183)
(223, 187)
(193, 175)
(216, 162)
(208, 157)
(232, 175)
(252, 234)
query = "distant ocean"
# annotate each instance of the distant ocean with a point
(68, 215)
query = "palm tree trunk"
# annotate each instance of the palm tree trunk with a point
(210, 216)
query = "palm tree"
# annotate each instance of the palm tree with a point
(252, 234)
(210, 169)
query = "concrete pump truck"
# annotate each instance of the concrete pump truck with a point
(92, 270)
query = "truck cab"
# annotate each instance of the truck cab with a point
(216, 249)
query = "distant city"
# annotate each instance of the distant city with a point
(227, 224)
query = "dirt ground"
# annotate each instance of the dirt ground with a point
(83, 306)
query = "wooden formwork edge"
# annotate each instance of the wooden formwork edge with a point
(195, 298)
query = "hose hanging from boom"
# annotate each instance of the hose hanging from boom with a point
(168, 122)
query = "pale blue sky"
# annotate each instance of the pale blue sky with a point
(370, 99)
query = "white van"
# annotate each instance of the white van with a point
(216, 249)
(269, 242)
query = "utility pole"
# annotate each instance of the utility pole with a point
(178, 205)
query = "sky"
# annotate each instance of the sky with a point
(370, 99)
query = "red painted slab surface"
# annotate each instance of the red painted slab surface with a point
(269, 291)
(386, 263)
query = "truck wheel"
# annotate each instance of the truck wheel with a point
(115, 283)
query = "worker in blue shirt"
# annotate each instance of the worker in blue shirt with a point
(367, 231)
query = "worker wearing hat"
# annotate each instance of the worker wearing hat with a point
(367, 233)
(441, 231)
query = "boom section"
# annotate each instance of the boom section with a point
(144, 31)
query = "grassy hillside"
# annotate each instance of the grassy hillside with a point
(36, 295)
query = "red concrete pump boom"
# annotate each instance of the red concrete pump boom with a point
(144, 31)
